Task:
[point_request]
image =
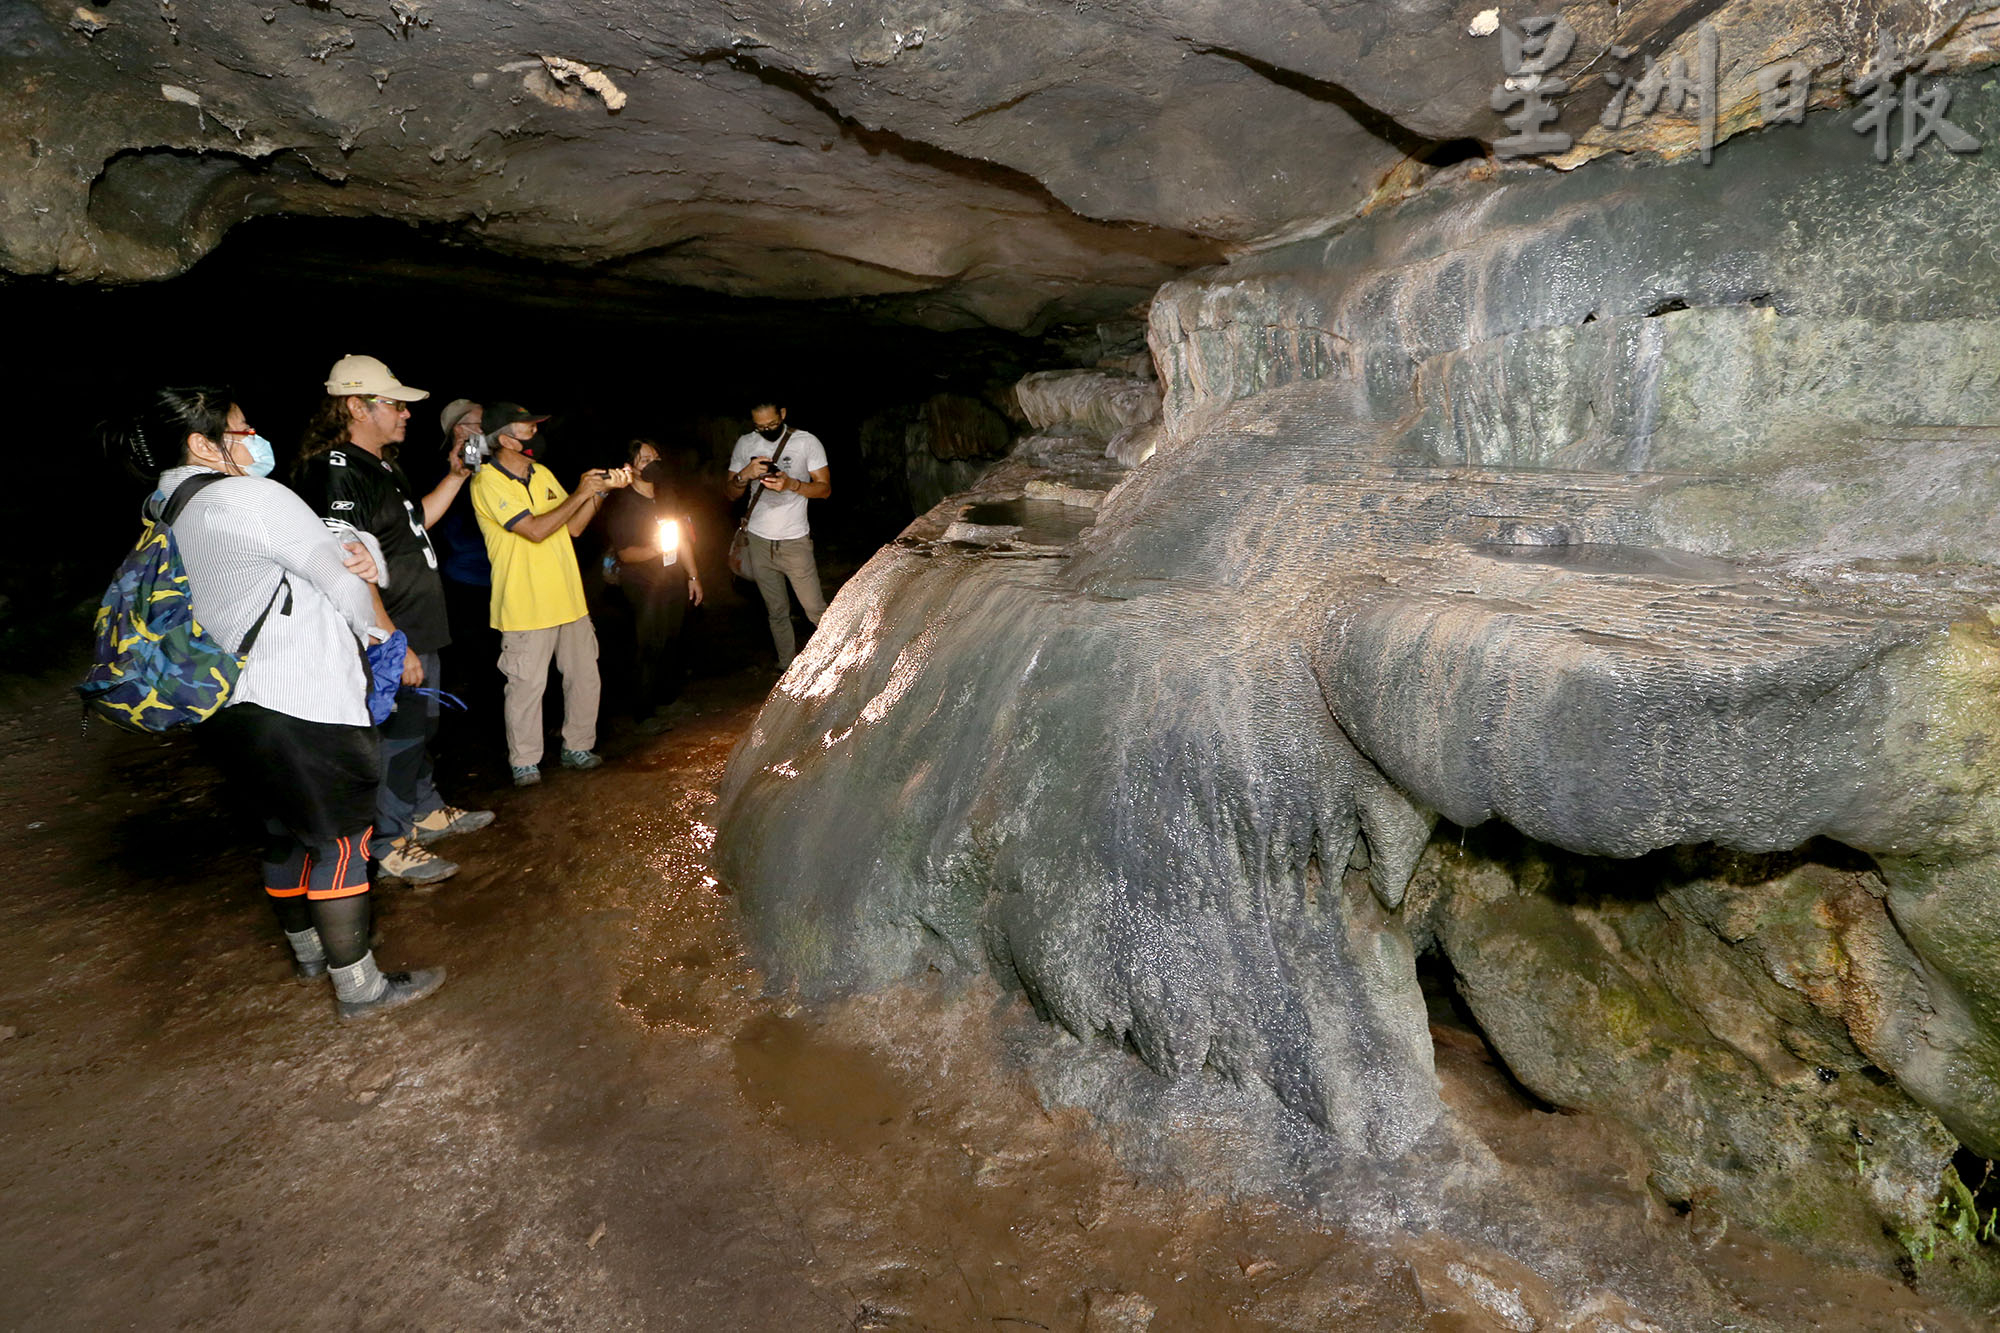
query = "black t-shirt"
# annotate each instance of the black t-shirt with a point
(351, 485)
(630, 519)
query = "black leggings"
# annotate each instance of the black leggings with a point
(313, 786)
(658, 608)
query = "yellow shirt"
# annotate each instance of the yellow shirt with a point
(536, 585)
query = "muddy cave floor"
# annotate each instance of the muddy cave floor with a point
(602, 1122)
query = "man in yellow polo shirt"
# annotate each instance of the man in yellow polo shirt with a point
(527, 519)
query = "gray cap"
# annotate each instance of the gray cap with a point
(454, 411)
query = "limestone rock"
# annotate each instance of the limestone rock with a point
(1087, 400)
(1520, 503)
(1607, 1002)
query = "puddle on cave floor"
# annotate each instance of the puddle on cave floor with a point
(601, 1121)
(1600, 558)
(1042, 522)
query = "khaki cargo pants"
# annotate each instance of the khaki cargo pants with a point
(524, 660)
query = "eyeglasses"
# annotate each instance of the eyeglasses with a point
(391, 403)
(247, 430)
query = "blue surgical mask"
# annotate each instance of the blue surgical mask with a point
(262, 460)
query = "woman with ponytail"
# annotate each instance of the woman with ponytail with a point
(295, 738)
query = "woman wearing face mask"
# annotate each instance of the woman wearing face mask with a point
(295, 738)
(660, 582)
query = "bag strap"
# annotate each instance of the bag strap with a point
(744, 522)
(176, 503)
(250, 639)
(186, 491)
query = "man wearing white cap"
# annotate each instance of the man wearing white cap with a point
(347, 472)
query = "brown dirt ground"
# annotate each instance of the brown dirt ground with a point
(601, 1122)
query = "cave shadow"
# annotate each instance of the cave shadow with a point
(1457, 1039)
(1576, 879)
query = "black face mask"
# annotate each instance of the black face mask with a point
(772, 432)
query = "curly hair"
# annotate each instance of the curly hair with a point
(328, 429)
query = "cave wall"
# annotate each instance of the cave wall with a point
(1643, 507)
(1009, 163)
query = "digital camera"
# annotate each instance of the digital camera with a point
(477, 450)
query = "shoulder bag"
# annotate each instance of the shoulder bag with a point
(739, 544)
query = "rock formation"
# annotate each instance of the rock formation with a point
(1640, 508)
(1009, 163)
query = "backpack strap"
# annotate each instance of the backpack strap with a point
(185, 492)
(171, 510)
(250, 639)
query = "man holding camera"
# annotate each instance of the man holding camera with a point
(787, 467)
(347, 472)
(528, 520)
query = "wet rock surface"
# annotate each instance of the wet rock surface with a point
(1537, 503)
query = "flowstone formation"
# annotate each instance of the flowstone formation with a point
(1588, 581)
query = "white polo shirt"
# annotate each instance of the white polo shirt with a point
(780, 515)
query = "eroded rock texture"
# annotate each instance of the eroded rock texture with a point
(1635, 509)
(1008, 162)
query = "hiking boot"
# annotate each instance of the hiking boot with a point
(414, 863)
(399, 988)
(581, 760)
(309, 969)
(447, 820)
(526, 775)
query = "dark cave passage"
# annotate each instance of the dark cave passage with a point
(281, 299)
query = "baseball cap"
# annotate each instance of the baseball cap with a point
(501, 415)
(454, 412)
(366, 376)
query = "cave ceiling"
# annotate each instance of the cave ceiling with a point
(1011, 162)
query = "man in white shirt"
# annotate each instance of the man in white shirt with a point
(786, 467)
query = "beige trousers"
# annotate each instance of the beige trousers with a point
(524, 660)
(771, 564)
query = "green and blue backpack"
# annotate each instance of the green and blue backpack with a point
(155, 667)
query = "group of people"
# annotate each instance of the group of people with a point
(311, 575)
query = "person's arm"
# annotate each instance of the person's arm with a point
(609, 479)
(305, 549)
(340, 498)
(413, 666)
(581, 518)
(740, 478)
(817, 489)
(359, 562)
(442, 494)
(688, 561)
(540, 527)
